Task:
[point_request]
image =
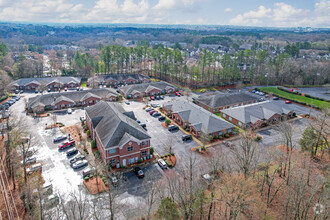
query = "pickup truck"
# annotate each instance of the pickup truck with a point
(66, 145)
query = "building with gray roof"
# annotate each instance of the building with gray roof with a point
(198, 120)
(119, 138)
(218, 101)
(52, 83)
(257, 115)
(115, 80)
(147, 89)
(62, 100)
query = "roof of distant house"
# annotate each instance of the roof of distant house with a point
(113, 125)
(219, 99)
(46, 80)
(76, 96)
(145, 87)
(118, 77)
(255, 112)
(200, 118)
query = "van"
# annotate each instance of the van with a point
(71, 152)
(87, 172)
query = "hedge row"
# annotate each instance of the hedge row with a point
(299, 93)
(3, 98)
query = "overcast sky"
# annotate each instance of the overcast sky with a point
(270, 13)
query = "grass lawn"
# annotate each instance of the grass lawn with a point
(299, 98)
(83, 84)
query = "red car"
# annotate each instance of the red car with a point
(66, 144)
(152, 98)
(177, 94)
(287, 102)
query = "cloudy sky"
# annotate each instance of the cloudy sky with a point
(271, 13)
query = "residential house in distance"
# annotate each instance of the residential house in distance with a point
(198, 120)
(119, 138)
(147, 89)
(63, 100)
(114, 80)
(219, 101)
(257, 115)
(52, 83)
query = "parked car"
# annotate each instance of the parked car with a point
(177, 93)
(33, 168)
(47, 189)
(149, 109)
(157, 97)
(138, 172)
(148, 98)
(51, 201)
(127, 102)
(162, 164)
(276, 98)
(288, 102)
(77, 158)
(254, 91)
(59, 138)
(152, 111)
(65, 89)
(36, 91)
(87, 172)
(173, 128)
(161, 97)
(156, 114)
(187, 137)
(29, 160)
(152, 98)
(22, 91)
(66, 144)
(228, 144)
(114, 181)
(138, 121)
(143, 125)
(79, 164)
(69, 111)
(154, 105)
(181, 93)
(161, 118)
(71, 152)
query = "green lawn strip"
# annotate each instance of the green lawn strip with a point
(83, 84)
(295, 98)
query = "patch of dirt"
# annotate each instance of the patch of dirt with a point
(95, 187)
(74, 132)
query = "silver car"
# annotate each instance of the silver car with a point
(80, 163)
(30, 160)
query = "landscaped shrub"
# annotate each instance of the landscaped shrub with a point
(85, 127)
(172, 154)
(162, 157)
(86, 178)
(151, 151)
(93, 144)
(97, 153)
(227, 135)
(220, 137)
(258, 138)
(167, 121)
(88, 133)
(86, 151)
(140, 160)
(169, 164)
(294, 114)
(210, 138)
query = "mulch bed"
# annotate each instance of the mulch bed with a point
(171, 159)
(74, 132)
(57, 125)
(165, 125)
(308, 116)
(203, 152)
(93, 187)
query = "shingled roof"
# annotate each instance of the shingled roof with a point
(47, 80)
(255, 112)
(113, 126)
(118, 77)
(198, 117)
(145, 87)
(77, 96)
(219, 99)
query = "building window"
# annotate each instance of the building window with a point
(239, 123)
(229, 130)
(144, 143)
(129, 148)
(144, 153)
(112, 151)
(224, 115)
(230, 119)
(209, 109)
(220, 133)
(112, 161)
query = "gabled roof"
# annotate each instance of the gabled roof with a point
(145, 87)
(219, 99)
(75, 96)
(62, 98)
(255, 112)
(198, 117)
(113, 126)
(47, 80)
(88, 95)
(118, 77)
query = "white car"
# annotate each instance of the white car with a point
(80, 163)
(34, 168)
(29, 160)
(69, 111)
(162, 164)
